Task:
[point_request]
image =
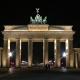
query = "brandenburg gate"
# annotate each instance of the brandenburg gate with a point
(38, 31)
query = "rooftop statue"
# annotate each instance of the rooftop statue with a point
(38, 19)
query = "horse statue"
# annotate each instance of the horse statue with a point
(32, 20)
(38, 19)
(45, 20)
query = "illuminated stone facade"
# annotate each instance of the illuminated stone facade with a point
(1, 50)
(77, 57)
(38, 33)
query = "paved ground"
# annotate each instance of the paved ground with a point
(40, 74)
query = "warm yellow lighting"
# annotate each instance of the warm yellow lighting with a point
(15, 30)
(17, 62)
(20, 53)
(20, 44)
(29, 63)
(71, 63)
(38, 27)
(60, 30)
(55, 44)
(9, 44)
(43, 53)
(66, 44)
(4, 63)
(46, 61)
(55, 53)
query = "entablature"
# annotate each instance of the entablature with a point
(35, 39)
(38, 34)
(77, 50)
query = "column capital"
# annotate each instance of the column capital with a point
(45, 38)
(29, 38)
(69, 38)
(5, 38)
(57, 39)
(17, 39)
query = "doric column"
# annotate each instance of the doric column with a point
(69, 53)
(57, 53)
(5, 55)
(0, 55)
(8, 58)
(45, 51)
(78, 59)
(30, 54)
(18, 53)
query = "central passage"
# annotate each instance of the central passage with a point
(37, 52)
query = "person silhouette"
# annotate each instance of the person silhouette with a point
(49, 66)
(46, 67)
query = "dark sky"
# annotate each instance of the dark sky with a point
(58, 13)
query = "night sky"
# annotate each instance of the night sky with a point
(57, 12)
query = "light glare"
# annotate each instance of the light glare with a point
(10, 54)
(64, 54)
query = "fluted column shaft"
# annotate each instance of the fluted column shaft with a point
(30, 54)
(69, 53)
(0, 56)
(78, 59)
(18, 53)
(5, 55)
(8, 59)
(57, 53)
(45, 51)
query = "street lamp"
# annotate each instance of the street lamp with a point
(64, 54)
(10, 54)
